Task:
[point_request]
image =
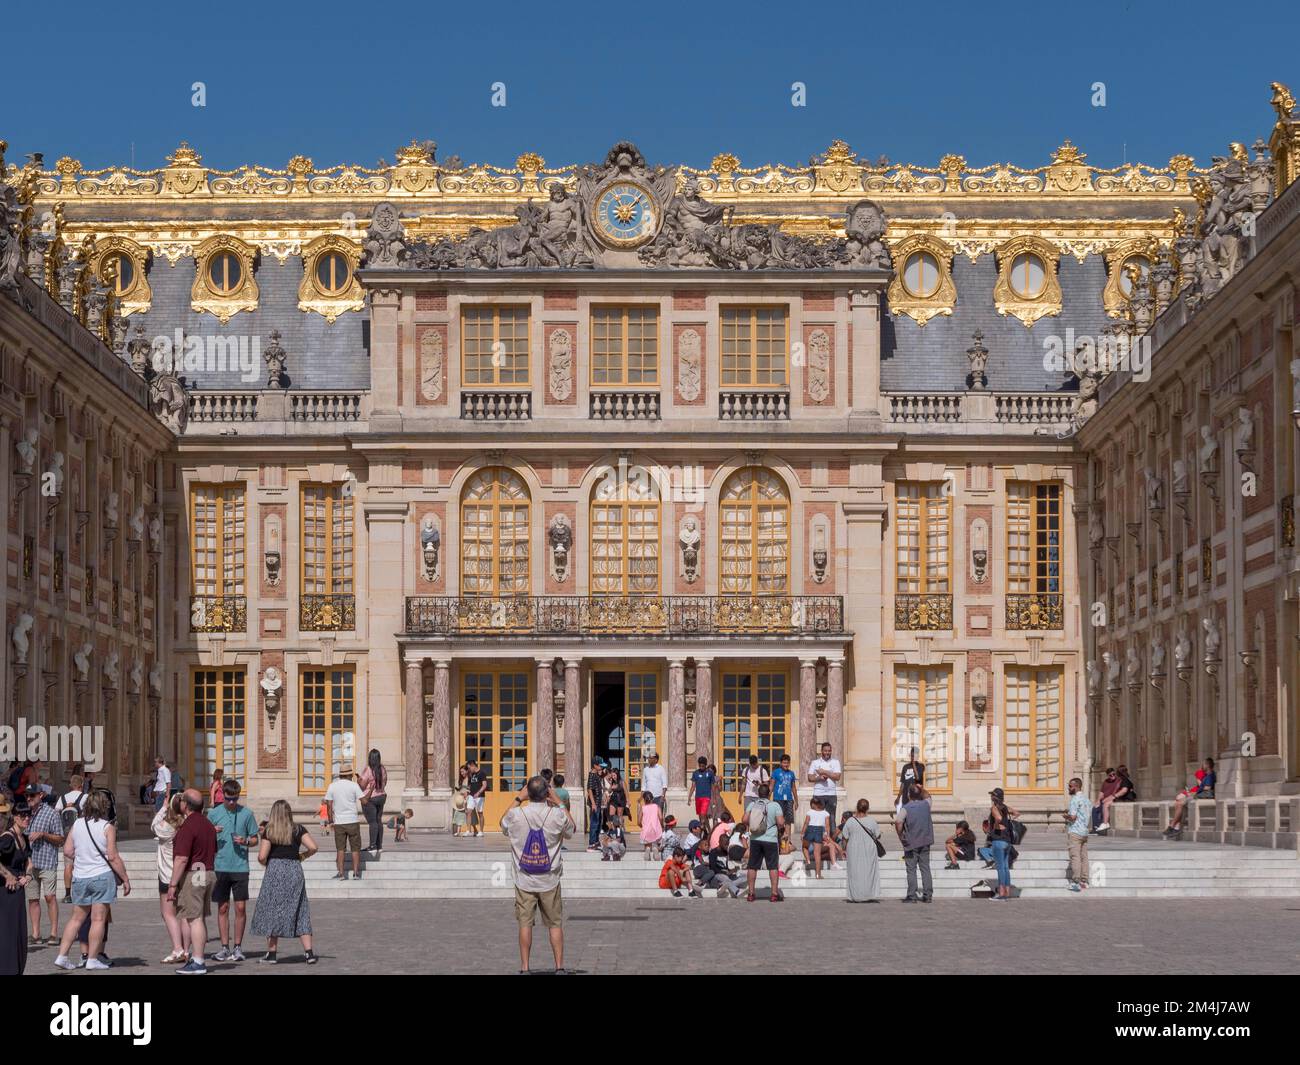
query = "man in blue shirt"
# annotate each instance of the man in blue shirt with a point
(785, 791)
(1078, 819)
(236, 832)
(702, 791)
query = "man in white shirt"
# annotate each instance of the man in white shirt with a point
(162, 784)
(654, 779)
(825, 773)
(343, 799)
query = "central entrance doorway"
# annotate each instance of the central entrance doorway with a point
(625, 725)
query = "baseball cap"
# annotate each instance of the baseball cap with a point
(693, 825)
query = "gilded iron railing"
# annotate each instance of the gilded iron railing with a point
(1040, 610)
(664, 615)
(218, 613)
(327, 613)
(930, 611)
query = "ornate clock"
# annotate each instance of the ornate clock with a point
(626, 215)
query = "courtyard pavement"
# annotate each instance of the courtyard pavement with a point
(1175, 937)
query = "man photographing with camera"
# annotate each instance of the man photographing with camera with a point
(535, 831)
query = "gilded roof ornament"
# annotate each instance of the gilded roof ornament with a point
(184, 156)
(1283, 102)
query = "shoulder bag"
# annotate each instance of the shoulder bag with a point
(880, 847)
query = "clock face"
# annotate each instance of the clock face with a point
(626, 215)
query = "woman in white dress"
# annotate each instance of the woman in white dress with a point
(861, 834)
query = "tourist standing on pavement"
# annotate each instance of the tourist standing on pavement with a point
(162, 783)
(916, 830)
(654, 779)
(16, 867)
(765, 823)
(216, 790)
(861, 836)
(97, 869)
(701, 789)
(343, 798)
(1078, 820)
(45, 835)
(236, 832)
(194, 854)
(752, 776)
(536, 832)
(374, 785)
(165, 823)
(825, 772)
(595, 802)
(282, 907)
(69, 809)
(1002, 840)
(477, 782)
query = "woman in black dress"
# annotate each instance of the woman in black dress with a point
(16, 867)
(282, 907)
(617, 796)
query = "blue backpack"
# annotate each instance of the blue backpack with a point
(535, 858)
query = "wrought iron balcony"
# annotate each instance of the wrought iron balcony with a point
(218, 613)
(931, 611)
(660, 615)
(1040, 610)
(327, 613)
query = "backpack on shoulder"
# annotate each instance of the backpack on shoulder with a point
(756, 819)
(69, 814)
(535, 858)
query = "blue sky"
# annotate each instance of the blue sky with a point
(351, 82)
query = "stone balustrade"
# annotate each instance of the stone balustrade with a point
(208, 406)
(326, 406)
(496, 406)
(624, 406)
(1037, 408)
(925, 407)
(759, 405)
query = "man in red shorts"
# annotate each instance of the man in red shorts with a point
(702, 791)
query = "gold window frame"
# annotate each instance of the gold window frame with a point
(476, 311)
(206, 297)
(1023, 577)
(598, 311)
(753, 311)
(137, 296)
(622, 502)
(495, 502)
(1030, 677)
(923, 676)
(313, 296)
(924, 522)
(225, 495)
(332, 582)
(730, 769)
(1113, 298)
(902, 300)
(339, 698)
(228, 686)
(1028, 309)
(754, 502)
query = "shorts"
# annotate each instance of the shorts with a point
(763, 852)
(473, 804)
(229, 884)
(966, 853)
(163, 887)
(44, 883)
(345, 834)
(528, 903)
(814, 834)
(95, 890)
(787, 810)
(194, 900)
(702, 807)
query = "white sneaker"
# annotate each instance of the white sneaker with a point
(64, 962)
(1104, 827)
(95, 963)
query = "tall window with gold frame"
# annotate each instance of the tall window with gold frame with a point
(755, 344)
(755, 541)
(754, 713)
(494, 531)
(923, 538)
(327, 737)
(217, 539)
(1033, 537)
(923, 719)
(625, 534)
(624, 346)
(1032, 734)
(494, 345)
(219, 725)
(328, 540)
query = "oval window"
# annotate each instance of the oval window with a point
(225, 272)
(1028, 276)
(333, 273)
(1143, 267)
(921, 275)
(124, 270)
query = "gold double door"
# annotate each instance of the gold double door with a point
(496, 729)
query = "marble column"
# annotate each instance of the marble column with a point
(440, 775)
(704, 708)
(575, 767)
(835, 706)
(414, 752)
(677, 724)
(545, 745)
(807, 716)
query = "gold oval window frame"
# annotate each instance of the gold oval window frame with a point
(315, 297)
(224, 303)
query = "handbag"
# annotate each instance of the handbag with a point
(880, 847)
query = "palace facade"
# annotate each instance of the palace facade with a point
(534, 464)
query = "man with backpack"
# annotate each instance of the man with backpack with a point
(916, 831)
(765, 821)
(69, 809)
(536, 831)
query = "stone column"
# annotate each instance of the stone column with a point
(414, 745)
(677, 724)
(704, 708)
(864, 350)
(575, 767)
(807, 716)
(863, 739)
(835, 706)
(440, 774)
(544, 747)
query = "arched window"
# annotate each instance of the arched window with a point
(494, 534)
(755, 547)
(625, 533)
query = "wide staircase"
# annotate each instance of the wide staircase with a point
(434, 866)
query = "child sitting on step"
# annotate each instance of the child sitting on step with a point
(652, 827)
(676, 874)
(613, 841)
